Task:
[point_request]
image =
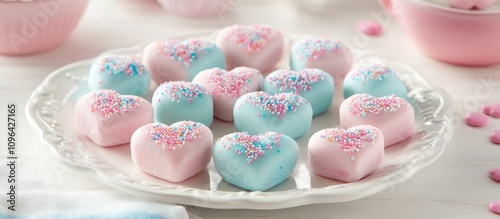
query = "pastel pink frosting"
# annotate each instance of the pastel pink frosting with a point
(255, 46)
(346, 155)
(174, 153)
(109, 118)
(393, 115)
(226, 87)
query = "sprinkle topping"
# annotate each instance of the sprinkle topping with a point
(370, 72)
(362, 104)
(296, 81)
(316, 48)
(253, 147)
(232, 83)
(275, 104)
(171, 137)
(184, 52)
(253, 38)
(175, 90)
(120, 65)
(109, 103)
(351, 141)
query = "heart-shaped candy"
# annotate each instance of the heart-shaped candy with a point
(471, 4)
(314, 85)
(255, 162)
(254, 46)
(492, 110)
(260, 112)
(169, 60)
(176, 101)
(393, 115)
(226, 87)
(346, 155)
(476, 119)
(174, 153)
(121, 73)
(333, 57)
(109, 118)
(376, 79)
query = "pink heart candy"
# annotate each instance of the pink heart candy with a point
(393, 115)
(254, 46)
(174, 153)
(495, 207)
(346, 155)
(109, 118)
(226, 87)
(495, 174)
(495, 137)
(471, 4)
(370, 27)
(475, 119)
(492, 110)
(331, 56)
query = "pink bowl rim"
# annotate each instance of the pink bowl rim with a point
(23, 1)
(454, 10)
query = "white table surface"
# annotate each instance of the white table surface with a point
(455, 186)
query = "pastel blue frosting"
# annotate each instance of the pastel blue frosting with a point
(315, 85)
(253, 117)
(182, 101)
(375, 79)
(121, 73)
(237, 165)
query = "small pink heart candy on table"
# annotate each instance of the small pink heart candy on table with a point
(495, 137)
(495, 174)
(495, 207)
(370, 27)
(476, 119)
(471, 4)
(492, 110)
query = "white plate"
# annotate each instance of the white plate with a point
(50, 109)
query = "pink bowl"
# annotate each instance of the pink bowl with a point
(198, 8)
(456, 36)
(28, 27)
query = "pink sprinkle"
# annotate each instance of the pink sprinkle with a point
(178, 90)
(350, 141)
(279, 104)
(316, 48)
(252, 146)
(495, 174)
(476, 119)
(171, 137)
(109, 103)
(185, 52)
(495, 137)
(297, 82)
(252, 38)
(363, 104)
(495, 207)
(492, 110)
(370, 27)
(231, 84)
